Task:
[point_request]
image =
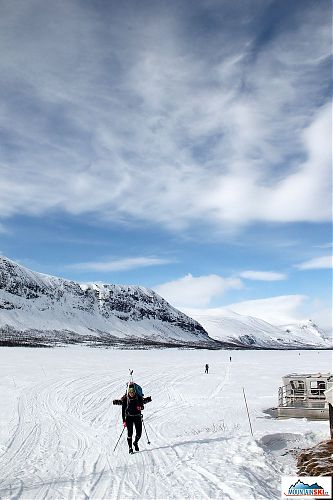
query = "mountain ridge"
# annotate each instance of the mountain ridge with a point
(226, 325)
(44, 304)
(38, 308)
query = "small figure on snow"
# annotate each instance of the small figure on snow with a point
(229, 358)
(206, 368)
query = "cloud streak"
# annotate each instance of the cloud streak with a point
(263, 275)
(119, 264)
(324, 262)
(102, 117)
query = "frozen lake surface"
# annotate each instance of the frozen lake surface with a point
(59, 427)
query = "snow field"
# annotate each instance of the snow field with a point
(59, 427)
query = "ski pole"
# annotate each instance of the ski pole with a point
(119, 439)
(145, 429)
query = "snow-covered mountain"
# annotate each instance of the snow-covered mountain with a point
(38, 307)
(227, 326)
(35, 308)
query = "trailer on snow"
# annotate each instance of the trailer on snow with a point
(303, 396)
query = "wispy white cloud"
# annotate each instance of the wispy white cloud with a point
(321, 314)
(325, 245)
(275, 310)
(120, 264)
(121, 122)
(191, 291)
(298, 195)
(279, 310)
(324, 262)
(263, 275)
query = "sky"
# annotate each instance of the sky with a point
(182, 146)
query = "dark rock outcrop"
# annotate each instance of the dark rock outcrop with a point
(316, 461)
(35, 302)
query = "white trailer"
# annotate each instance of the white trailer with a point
(303, 396)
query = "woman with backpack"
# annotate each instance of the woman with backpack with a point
(132, 404)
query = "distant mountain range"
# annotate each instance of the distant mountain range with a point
(36, 309)
(227, 326)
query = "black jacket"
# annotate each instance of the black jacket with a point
(131, 407)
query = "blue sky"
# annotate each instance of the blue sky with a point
(183, 146)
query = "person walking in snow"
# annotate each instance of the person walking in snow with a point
(206, 368)
(132, 405)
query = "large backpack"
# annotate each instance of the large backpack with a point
(138, 389)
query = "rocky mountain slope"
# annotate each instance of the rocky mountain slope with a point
(38, 307)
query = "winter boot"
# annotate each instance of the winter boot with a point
(136, 446)
(130, 451)
(129, 441)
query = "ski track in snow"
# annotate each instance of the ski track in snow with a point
(61, 444)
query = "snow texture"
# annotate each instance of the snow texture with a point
(59, 427)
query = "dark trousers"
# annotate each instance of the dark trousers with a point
(137, 422)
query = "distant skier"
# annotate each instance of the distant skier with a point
(229, 358)
(206, 368)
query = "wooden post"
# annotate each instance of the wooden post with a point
(247, 409)
(330, 414)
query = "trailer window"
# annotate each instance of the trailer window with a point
(317, 387)
(297, 386)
